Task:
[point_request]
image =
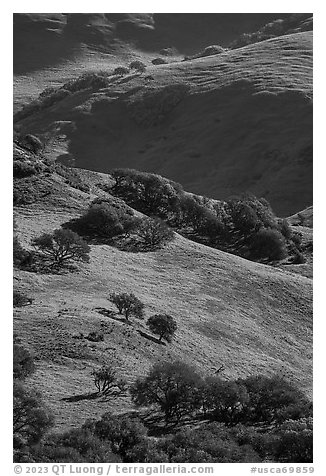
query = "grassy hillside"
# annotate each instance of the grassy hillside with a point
(247, 119)
(249, 317)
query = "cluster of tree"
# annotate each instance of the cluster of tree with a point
(162, 325)
(243, 225)
(107, 220)
(279, 27)
(177, 390)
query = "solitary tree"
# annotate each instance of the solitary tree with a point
(128, 304)
(104, 379)
(62, 247)
(163, 325)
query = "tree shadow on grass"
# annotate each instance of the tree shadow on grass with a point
(112, 315)
(149, 337)
(84, 396)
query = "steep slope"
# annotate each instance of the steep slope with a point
(245, 124)
(249, 317)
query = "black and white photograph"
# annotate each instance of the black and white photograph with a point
(162, 240)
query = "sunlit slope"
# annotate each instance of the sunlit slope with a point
(249, 317)
(245, 125)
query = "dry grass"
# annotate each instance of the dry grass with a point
(250, 317)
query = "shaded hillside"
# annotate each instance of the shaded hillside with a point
(249, 317)
(244, 115)
(44, 39)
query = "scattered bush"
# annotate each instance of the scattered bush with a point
(158, 61)
(163, 325)
(138, 66)
(128, 304)
(61, 248)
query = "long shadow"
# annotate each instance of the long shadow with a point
(149, 337)
(84, 396)
(112, 315)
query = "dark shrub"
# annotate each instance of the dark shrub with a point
(24, 169)
(154, 233)
(268, 244)
(212, 443)
(273, 399)
(285, 229)
(148, 193)
(104, 379)
(95, 336)
(23, 363)
(224, 401)
(62, 247)
(128, 304)
(163, 325)
(122, 432)
(31, 143)
(172, 386)
(298, 257)
(104, 220)
(294, 441)
(31, 418)
(152, 107)
(212, 50)
(76, 446)
(20, 299)
(157, 61)
(138, 66)
(121, 71)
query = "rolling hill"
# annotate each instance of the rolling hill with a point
(247, 316)
(244, 123)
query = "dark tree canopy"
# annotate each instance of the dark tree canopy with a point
(128, 304)
(173, 387)
(62, 247)
(163, 325)
(31, 418)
